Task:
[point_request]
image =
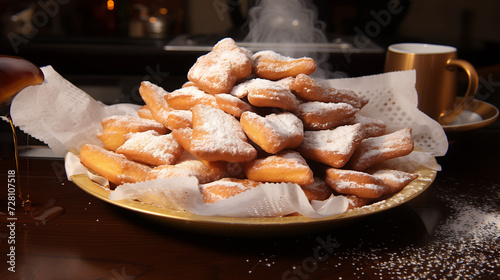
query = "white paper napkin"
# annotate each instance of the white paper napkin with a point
(60, 114)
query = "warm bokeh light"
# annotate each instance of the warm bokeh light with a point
(110, 4)
(163, 11)
(152, 19)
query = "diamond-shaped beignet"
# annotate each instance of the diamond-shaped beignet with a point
(334, 146)
(274, 66)
(318, 115)
(204, 171)
(318, 190)
(187, 97)
(115, 128)
(310, 89)
(151, 148)
(371, 127)
(154, 97)
(395, 180)
(112, 166)
(145, 113)
(378, 149)
(232, 104)
(274, 132)
(355, 182)
(219, 136)
(287, 166)
(218, 71)
(265, 93)
(225, 188)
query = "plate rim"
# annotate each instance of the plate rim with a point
(474, 125)
(252, 225)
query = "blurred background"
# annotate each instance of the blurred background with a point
(107, 47)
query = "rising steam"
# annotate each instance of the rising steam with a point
(292, 23)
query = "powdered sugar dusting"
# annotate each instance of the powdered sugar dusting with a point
(271, 55)
(243, 89)
(464, 246)
(286, 124)
(162, 148)
(338, 140)
(221, 133)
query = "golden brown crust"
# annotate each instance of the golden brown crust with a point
(276, 97)
(318, 190)
(318, 115)
(273, 66)
(204, 171)
(356, 201)
(187, 97)
(154, 97)
(287, 166)
(225, 188)
(381, 148)
(395, 180)
(333, 147)
(273, 133)
(219, 136)
(151, 148)
(145, 113)
(356, 183)
(112, 166)
(218, 71)
(232, 104)
(116, 127)
(179, 119)
(309, 89)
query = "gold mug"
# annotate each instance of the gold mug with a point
(436, 84)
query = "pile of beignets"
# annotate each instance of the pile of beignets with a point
(246, 118)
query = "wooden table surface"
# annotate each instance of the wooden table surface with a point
(451, 231)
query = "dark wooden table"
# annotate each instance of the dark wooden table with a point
(451, 231)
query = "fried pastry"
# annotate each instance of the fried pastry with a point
(179, 119)
(395, 180)
(204, 171)
(241, 120)
(318, 190)
(115, 128)
(187, 97)
(265, 93)
(287, 166)
(168, 171)
(274, 66)
(188, 84)
(112, 166)
(274, 132)
(232, 104)
(310, 89)
(218, 71)
(333, 147)
(151, 148)
(378, 149)
(154, 97)
(219, 136)
(225, 188)
(145, 113)
(183, 137)
(356, 201)
(321, 115)
(356, 183)
(371, 127)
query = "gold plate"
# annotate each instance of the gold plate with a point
(258, 227)
(488, 113)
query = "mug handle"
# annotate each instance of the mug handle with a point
(454, 112)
